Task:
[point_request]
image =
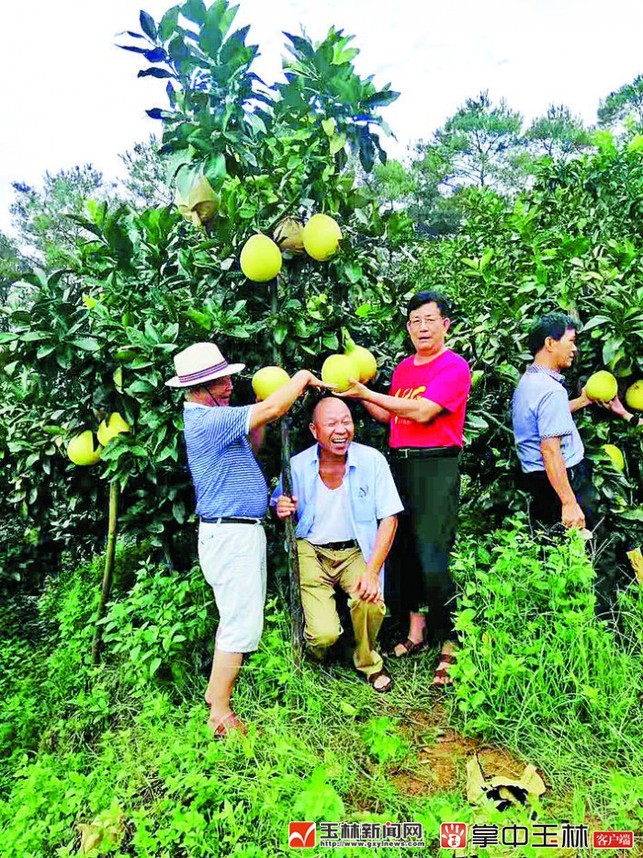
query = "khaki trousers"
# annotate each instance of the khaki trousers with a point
(320, 569)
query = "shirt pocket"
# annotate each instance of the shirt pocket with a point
(364, 508)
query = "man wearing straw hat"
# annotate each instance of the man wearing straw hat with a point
(231, 502)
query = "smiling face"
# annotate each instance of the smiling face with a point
(563, 351)
(427, 328)
(332, 426)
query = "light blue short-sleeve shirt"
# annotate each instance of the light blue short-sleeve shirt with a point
(540, 409)
(371, 491)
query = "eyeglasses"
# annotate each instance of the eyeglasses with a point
(426, 320)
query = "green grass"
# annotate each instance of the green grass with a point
(123, 749)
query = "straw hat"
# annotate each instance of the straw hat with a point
(199, 363)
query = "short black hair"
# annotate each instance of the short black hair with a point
(551, 325)
(422, 298)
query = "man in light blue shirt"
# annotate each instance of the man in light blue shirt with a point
(549, 447)
(347, 504)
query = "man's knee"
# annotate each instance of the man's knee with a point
(322, 639)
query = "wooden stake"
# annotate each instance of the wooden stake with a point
(108, 571)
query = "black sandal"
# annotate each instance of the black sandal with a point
(373, 677)
(441, 673)
(410, 648)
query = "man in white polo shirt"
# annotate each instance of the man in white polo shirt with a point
(347, 504)
(231, 501)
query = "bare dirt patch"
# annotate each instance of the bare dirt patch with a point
(440, 761)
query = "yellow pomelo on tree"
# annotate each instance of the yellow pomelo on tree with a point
(268, 379)
(617, 457)
(634, 395)
(81, 449)
(338, 370)
(601, 386)
(363, 359)
(288, 235)
(321, 237)
(108, 429)
(260, 259)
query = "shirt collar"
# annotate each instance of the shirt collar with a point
(534, 368)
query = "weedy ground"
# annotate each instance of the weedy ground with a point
(117, 760)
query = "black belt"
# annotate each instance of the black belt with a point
(231, 520)
(337, 546)
(397, 453)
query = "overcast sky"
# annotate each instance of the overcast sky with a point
(71, 97)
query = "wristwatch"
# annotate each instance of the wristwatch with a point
(634, 420)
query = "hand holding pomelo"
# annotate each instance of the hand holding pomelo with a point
(268, 379)
(260, 259)
(108, 429)
(601, 386)
(634, 395)
(81, 449)
(321, 237)
(339, 370)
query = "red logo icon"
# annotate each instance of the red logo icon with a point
(613, 839)
(453, 835)
(302, 835)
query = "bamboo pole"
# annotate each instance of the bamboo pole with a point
(108, 571)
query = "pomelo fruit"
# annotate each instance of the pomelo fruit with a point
(268, 379)
(618, 460)
(288, 235)
(111, 427)
(363, 359)
(634, 395)
(81, 449)
(601, 386)
(321, 237)
(260, 259)
(338, 369)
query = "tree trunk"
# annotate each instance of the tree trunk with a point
(108, 570)
(296, 610)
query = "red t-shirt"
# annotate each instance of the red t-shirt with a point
(446, 380)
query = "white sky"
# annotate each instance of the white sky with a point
(71, 97)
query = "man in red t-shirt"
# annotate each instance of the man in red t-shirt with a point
(425, 412)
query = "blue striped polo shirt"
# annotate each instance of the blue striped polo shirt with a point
(227, 478)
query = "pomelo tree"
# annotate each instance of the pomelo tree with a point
(100, 334)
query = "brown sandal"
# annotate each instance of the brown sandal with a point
(410, 648)
(229, 724)
(441, 674)
(373, 677)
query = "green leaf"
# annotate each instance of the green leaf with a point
(336, 143)
(281, 330)
(194, 10)
(87, 344)
(168, 24)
